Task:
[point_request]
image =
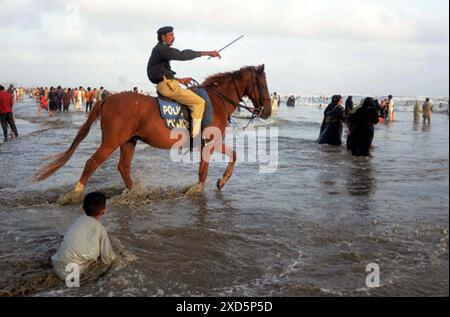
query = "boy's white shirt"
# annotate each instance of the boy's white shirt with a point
(85, 242)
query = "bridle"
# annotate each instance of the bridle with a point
(256, 112)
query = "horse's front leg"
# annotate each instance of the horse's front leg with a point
(205, 159)
(229, 171)
(205, 156)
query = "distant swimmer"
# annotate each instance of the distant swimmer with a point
(43, 103)
(417, 111)
(427, 110)
(67, 99)
(275, 102)
(86, 245)
(99, 95)
(291, 101)
(59, 98)
(89, 98)
(80, 99)
(391, 108)
(384, 109)
(53, 99)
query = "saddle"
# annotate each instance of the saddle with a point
(176, 115)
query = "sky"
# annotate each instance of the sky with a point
(365, 47)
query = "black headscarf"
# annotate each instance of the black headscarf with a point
(335, 99)
(349, 105)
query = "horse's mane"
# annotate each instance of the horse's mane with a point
(222, 77)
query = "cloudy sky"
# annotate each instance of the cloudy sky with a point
(371, 47)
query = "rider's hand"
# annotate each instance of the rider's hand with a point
(215, 54)
(185, 81)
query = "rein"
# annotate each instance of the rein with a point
(256, 113)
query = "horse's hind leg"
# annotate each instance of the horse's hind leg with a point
(126, 156)
(229, 171)
(76, 196)
(93, 163)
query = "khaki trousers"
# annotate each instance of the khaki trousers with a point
(170, 88)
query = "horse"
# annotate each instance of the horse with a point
(128, 117)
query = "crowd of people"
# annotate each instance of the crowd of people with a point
(291, 101)
(51, 99)
(59, 99)
(360, 121)
(426, 109)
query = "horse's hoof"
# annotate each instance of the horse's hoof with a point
(195, 190)
(220, 184)
(71, 198)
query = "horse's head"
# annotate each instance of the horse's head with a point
(256, 89)
(248, 81)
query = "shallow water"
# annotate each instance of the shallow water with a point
(309, 229)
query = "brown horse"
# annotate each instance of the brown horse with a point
(129, 117)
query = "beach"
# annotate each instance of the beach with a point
(309, 228)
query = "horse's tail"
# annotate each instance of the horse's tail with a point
(60, 159)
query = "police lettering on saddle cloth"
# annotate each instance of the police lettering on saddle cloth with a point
(176, 115)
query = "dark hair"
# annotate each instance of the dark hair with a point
(2, 88)
(390, 96)
(163, 31)
(428, 99)
(94, 203)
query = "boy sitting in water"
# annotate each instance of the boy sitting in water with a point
(86, 242)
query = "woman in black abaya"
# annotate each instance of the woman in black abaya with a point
(332, 125)
(361, 128)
